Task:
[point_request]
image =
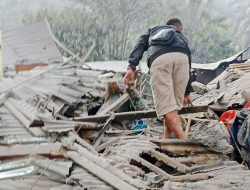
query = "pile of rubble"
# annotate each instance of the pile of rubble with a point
(62, 127)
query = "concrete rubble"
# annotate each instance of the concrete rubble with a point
(208, 134)
(65, 127)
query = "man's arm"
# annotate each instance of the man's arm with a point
(139, 49)
(187, 99)
(189, 87)
(135, 57)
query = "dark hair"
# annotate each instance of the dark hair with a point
(175, 22)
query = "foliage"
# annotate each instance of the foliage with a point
(74, 28)
(240, 16)
(115, 25)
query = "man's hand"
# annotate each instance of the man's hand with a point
(187, 101)
(129, 77)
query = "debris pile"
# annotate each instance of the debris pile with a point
(63, 127)
(208, 134)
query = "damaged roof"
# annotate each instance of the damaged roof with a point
(49, 140)
(31, 43)
(116, 66)
(215, 65)
(65, 127)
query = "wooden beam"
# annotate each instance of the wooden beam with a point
(182, 147)
(138, 114)
(182, 178)
(83, 125)
(107, 144)
(207, 167)
(100, 135)
(113, 106)
(73, 137)
(199, 159)
(169, 161)
(193, 109)
(187, 127)
(151, 167)
(185, 150)
(174, 142)
(189, 177)
(60, 126)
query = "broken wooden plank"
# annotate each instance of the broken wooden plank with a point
(88, 53)
(73, 137)
(174, 142)
(182, 147)
(187, 127)
(151, 167)
(207, 167)
(114, 105)
(138, 114)
(70, 52)
(107, 144)
(49, 149)
(182, 178)
(82, 125)
(184, 150)
(98, 171)
(193, 109)
(199, 159)
(99, 137)
(60, 126)
(169, 161)
(189, 178)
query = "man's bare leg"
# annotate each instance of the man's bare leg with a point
(166, 131)
(173, 124)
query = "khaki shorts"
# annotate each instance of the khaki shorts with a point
(169, 78)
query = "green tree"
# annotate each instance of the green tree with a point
(75, 28)
(240, 21)
(115, 25)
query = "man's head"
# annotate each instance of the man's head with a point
(177, 23)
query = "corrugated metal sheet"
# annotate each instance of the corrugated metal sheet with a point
(117, 66)
(57, 170)
(30, 44)
(42, 97)
(87, 180)
(215, 65)
(34, 182)
(10, 126)
(40, 93)
(233, 176)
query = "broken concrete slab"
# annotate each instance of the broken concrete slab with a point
(212, 134)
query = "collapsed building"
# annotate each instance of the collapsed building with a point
(204, 73)
(29, 46)
(69, 125)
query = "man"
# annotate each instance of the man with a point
(169, 60)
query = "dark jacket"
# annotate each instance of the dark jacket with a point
(178, 44)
